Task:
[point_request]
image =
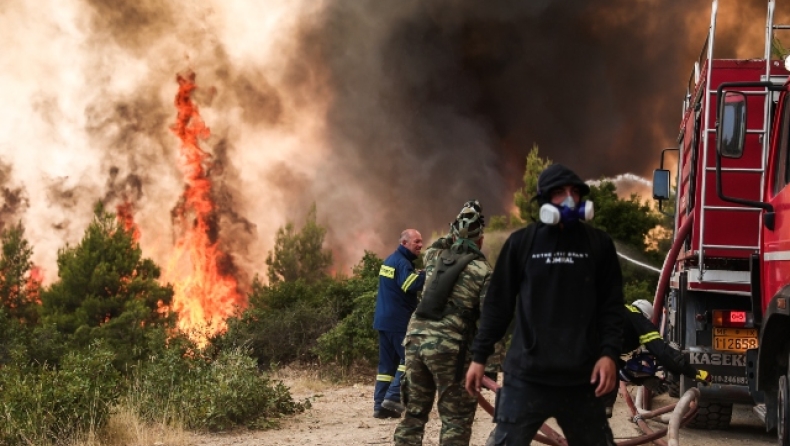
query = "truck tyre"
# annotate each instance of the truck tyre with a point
(783, 412)
(712, 416)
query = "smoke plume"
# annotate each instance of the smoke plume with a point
(387, 115)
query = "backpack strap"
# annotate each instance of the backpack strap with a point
(449, 265)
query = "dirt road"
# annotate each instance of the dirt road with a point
(342, 415)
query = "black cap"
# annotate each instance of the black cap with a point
(557, 175)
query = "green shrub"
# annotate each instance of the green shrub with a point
(208, 394)
(106, 291)
(284, 320)
(354, 338)
(47, 405)
(279, 335)
(638, 290)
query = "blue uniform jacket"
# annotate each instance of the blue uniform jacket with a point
(398, 287)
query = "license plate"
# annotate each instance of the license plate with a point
(734, 339)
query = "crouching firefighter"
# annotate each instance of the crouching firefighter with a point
(440, 331)
(640, 369)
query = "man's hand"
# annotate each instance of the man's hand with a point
(704, 377)
(474, 376)
(604, 375)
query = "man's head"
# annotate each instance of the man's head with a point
(556, 182)
(411, 240)
(469, 223)
(560, 192)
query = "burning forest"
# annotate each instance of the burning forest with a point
(383, 116)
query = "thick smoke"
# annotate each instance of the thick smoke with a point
(387, 115)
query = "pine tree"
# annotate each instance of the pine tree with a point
(523, 199)
(18, 290)
(299, 255)
(106, 288)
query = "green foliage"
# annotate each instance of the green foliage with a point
(42, 404)
(504, 223)
(18, 292)
(778, 51)
(21, 344)
(625, 220)
(639, 289)
(353, 339)
(281, 333)
(284, 320)
(368, 268)
(628, 222)
(523, 199)
(106, 290)
(299, 255)
(186, 386)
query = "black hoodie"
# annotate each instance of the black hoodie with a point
(567, 303)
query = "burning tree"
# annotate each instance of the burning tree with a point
(106, 288)
(206, 290)
(20, 281)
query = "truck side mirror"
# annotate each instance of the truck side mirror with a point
(661, 184)
(732, 124)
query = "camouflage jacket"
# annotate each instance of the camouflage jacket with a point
(467, 296)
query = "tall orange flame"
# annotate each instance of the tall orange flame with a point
(206, 292)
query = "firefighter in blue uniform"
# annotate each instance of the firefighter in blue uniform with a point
(399, 284)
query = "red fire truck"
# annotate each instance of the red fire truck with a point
(723, 294)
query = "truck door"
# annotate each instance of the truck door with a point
(776, 242)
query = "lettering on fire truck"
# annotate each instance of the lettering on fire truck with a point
(718, 359)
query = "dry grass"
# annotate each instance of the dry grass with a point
(310, 379)
(124, 428)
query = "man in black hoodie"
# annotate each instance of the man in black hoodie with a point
(562, 279)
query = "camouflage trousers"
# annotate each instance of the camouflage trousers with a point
(431, 369)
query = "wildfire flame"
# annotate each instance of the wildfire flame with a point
(33, 284)
(125, 214)
(206, 292)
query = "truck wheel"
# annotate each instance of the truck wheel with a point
(783, 412)
(712, 416)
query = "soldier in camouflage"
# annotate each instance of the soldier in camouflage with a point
(437, 348)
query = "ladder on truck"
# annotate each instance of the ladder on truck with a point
(709, 133)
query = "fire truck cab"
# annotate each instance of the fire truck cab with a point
(723, 294)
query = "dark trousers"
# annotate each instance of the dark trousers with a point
(522, 407)
(391, 367)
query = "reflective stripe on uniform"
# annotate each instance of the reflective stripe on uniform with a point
(387, 271)
(402, 368)
(385, 378)
(652, 336)
(633, 309)
(409, 280)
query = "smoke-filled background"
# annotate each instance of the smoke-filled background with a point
(387, 115)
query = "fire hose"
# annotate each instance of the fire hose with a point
(682, 412)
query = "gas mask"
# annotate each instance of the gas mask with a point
(566, 212)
